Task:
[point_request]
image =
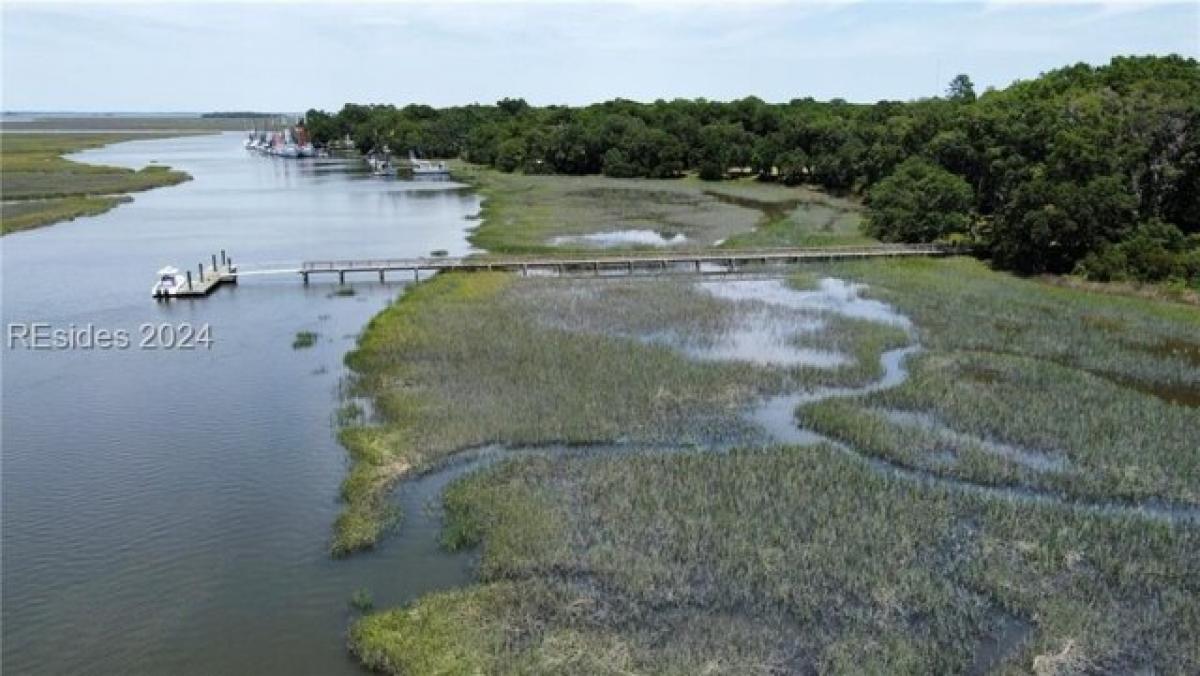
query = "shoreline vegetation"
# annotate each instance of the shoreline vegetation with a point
(42, 187)
(1086, 170)
(1026, 499)
(549, 214)
(756, 556)
(172, 125)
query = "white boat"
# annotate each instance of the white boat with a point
(426, 167)
(380, 162)
(169, 281)
(380, 166)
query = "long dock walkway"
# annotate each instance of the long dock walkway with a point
(714, 260)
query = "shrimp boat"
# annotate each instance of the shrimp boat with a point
(303, 145)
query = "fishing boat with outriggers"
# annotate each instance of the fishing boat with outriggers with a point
(291, 142)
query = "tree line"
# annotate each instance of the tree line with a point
(1088, 169)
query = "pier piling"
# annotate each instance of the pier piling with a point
(202, 283)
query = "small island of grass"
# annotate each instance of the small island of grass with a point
(41, 187)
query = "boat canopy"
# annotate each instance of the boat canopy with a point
(169, 271)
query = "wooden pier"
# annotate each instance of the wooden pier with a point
(208, 280)
(205, 279)
(711, 261)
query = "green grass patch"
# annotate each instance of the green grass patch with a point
(787, 560)
(143, 126)
(526, 213)
(24, 215)
(41, 187)
(361, 600)
(782, 559)
(304, 339)
(564, 361)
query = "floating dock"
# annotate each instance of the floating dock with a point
(204, 282)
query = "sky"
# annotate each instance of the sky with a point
(276, 56)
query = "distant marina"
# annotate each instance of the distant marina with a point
(293, 142)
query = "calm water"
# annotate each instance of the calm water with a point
(168, 511)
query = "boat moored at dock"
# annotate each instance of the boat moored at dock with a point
(426, 168)
(175, 284)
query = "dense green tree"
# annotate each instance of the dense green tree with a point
(616, 165)
(512, 107)
(510, 154)
(1061, 168)
(1156, 250)
(1050, 226)
(765, 155)
(322, 127)
(793, 167)
(961, 89)
(919, 202)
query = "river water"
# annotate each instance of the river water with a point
(168, 511)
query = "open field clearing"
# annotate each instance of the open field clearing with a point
(41, 186)
(947, 522)
(524, 213)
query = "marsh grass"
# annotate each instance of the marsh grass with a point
(41, 187)
(1110, 384)
(1178, 292)
(525, 213)
(466, 360)
(139, 126)
(304, 339)
(798, 216)
(361, 600)
(781, 561)
(28, 214)
(350, 413)
(1118, 444)
(787, 559)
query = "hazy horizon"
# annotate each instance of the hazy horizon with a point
(180, 57)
